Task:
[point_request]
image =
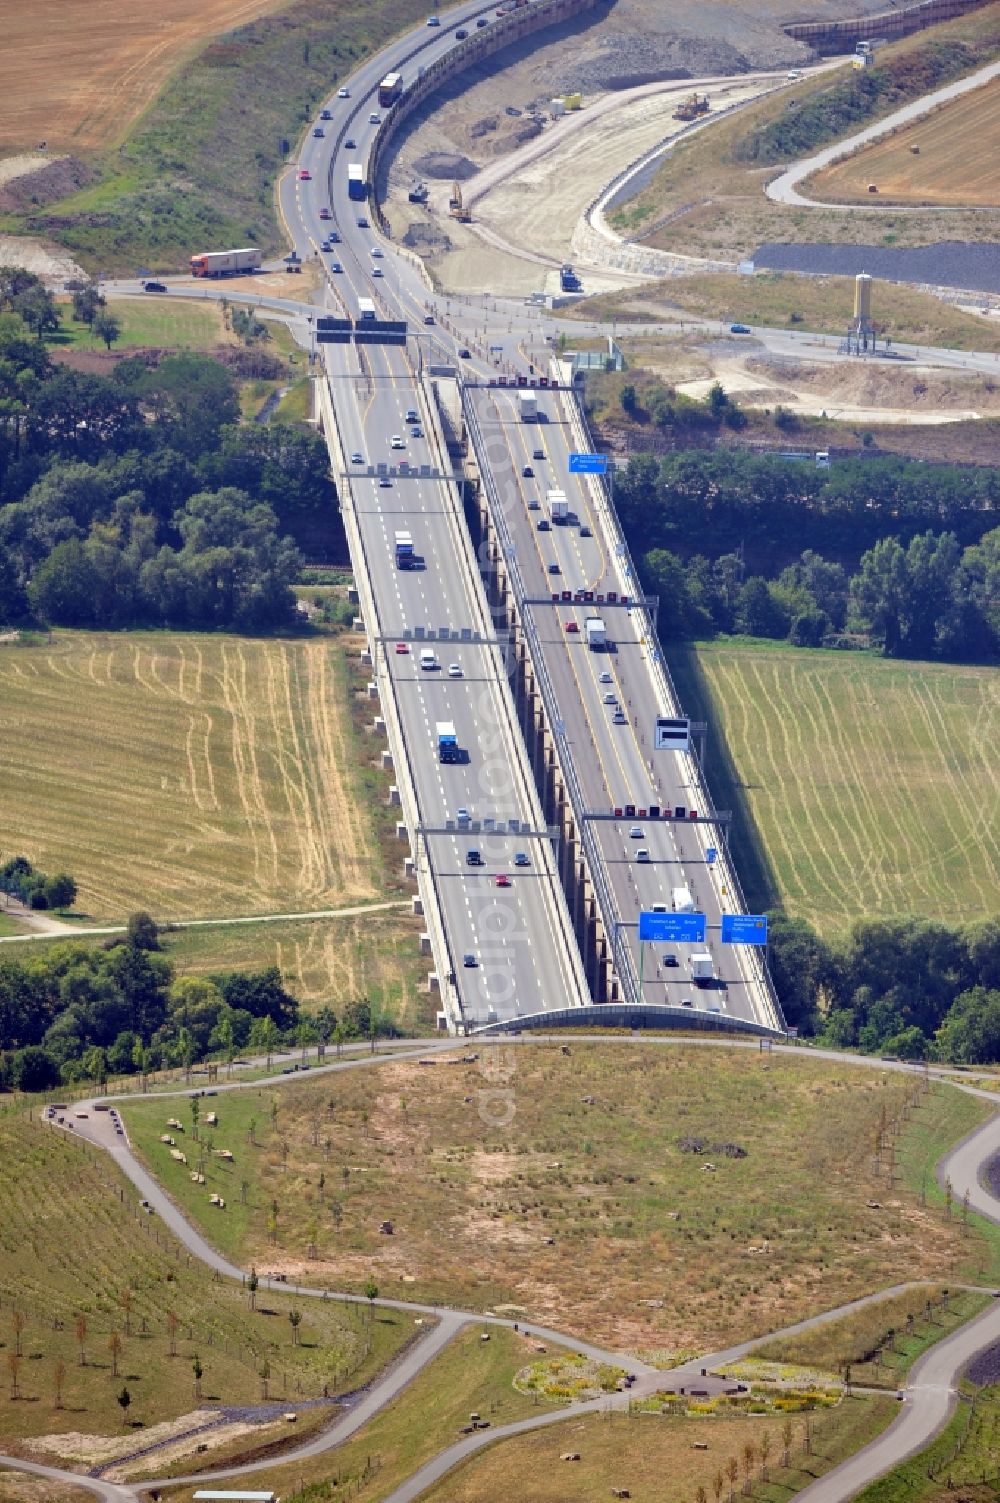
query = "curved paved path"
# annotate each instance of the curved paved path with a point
(931, 1394)
(783, 188)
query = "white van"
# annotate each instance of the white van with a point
(428, 659)
(682, 900)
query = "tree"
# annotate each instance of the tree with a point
(732, 1472)
(765, 1451)
(87, 302)
(370, 1293)
(787, 1433)
(749, 1457)
(758, 614)
(628, 399)
(14, 1361)
(252, 1286)
(33, 1069)
(124, 1400)
(141, 932)
(58, 1379)
(125, 1300)
(172, 1325)
(295, 1320)
(198, 1371)
(114, 1347)
(107, 327)
(264, 1036)
(718, 1486)
(878, 593)
(970, 1032)
(37, 307)
(17, 1325)
(195, 1105)
(60, 891)
(80, 1328)
(264, 1374)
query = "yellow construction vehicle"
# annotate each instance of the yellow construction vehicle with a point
(691, 108)
(456, 208)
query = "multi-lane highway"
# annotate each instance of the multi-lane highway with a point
(607, 702)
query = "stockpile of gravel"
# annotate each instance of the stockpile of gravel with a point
(949, 263)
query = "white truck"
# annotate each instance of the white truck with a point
(558, 506)
(682, 900)
(702, 968)
(528, 403)
(228, 263)
(597, 635)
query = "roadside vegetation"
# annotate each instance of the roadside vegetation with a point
(97, 1296)
(960, 1465)
(737, 156)
(530, 1216)
(198, 170)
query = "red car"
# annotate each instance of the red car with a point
(503, 880)
(401, 647)
(305, 176)
(572, 626)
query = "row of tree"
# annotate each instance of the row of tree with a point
(914, 989)
(71, 1011)
(139, 497)
(19, 879)
(930, 598)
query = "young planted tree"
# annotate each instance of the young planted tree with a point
(124, 1400)
(253, 1283)
(295, 1320)
(244, 1191)
(58, 1379)
(125, 1300)
(749, 1457)
(732, 1472)
(718, 1485)
(264, 1375)
(195, 1114)
(80, 1327)
(765, 1451)
(172, 1324)
(115, 1348)
(787, 1432)
(14, 1360)
(17, 1324)
(700, 1495)
(199, 1372)
(370, 1293)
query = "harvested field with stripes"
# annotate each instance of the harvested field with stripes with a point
(190, 775)
(873, 787)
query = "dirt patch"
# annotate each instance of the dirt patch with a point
(444, 164)
(54, 266)
(45, 184)
(93, 1450)
(165, 1456)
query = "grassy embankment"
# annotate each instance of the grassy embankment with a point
(199, 167)
(74, 1243)
(707, 199)
(861, 786)
(534, 1215)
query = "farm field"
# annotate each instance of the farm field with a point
(73, 1243)
(130, 51)
(605, 1156)
(872, 785)
(947, 158)
(638, 1452)
(324, 962)
(189, 775)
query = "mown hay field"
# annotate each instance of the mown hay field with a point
(949, 157)
(873, 786)
(590, 1208)
(192, 776)
(77, 74)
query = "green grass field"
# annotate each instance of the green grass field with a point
(73, 1242)
(959, 1466)
(656, 1458)
(156, 322)
(864, 787)
(191, 775)
(611, 1185)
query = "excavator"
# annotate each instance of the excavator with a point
(691, 108)
(456, 207)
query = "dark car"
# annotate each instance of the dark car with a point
(538, 454)
(554, 569)
(464, 354)
(473, 858)
(461, 34)
(585, 531)
(428, 318)
(154, 287)
(350, 144)
(739, 329)
(528, 472)
(670, 960)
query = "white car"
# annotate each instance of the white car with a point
(454, 670)
(642, 855)
(610, 699)
(635, 833)
(606, 677)
(343, 93)
(376, 271)
(374, 119)
(357, 458)
(377, 251)
(396, 442)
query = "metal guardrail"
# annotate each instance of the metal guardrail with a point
(671, 703)
(624, 963)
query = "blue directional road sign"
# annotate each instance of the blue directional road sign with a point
(672, 928)
(588, 464)
(744, 928)
(710, 855)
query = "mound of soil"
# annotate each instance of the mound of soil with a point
(426, 240)
(445, 164)
(53, 181)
